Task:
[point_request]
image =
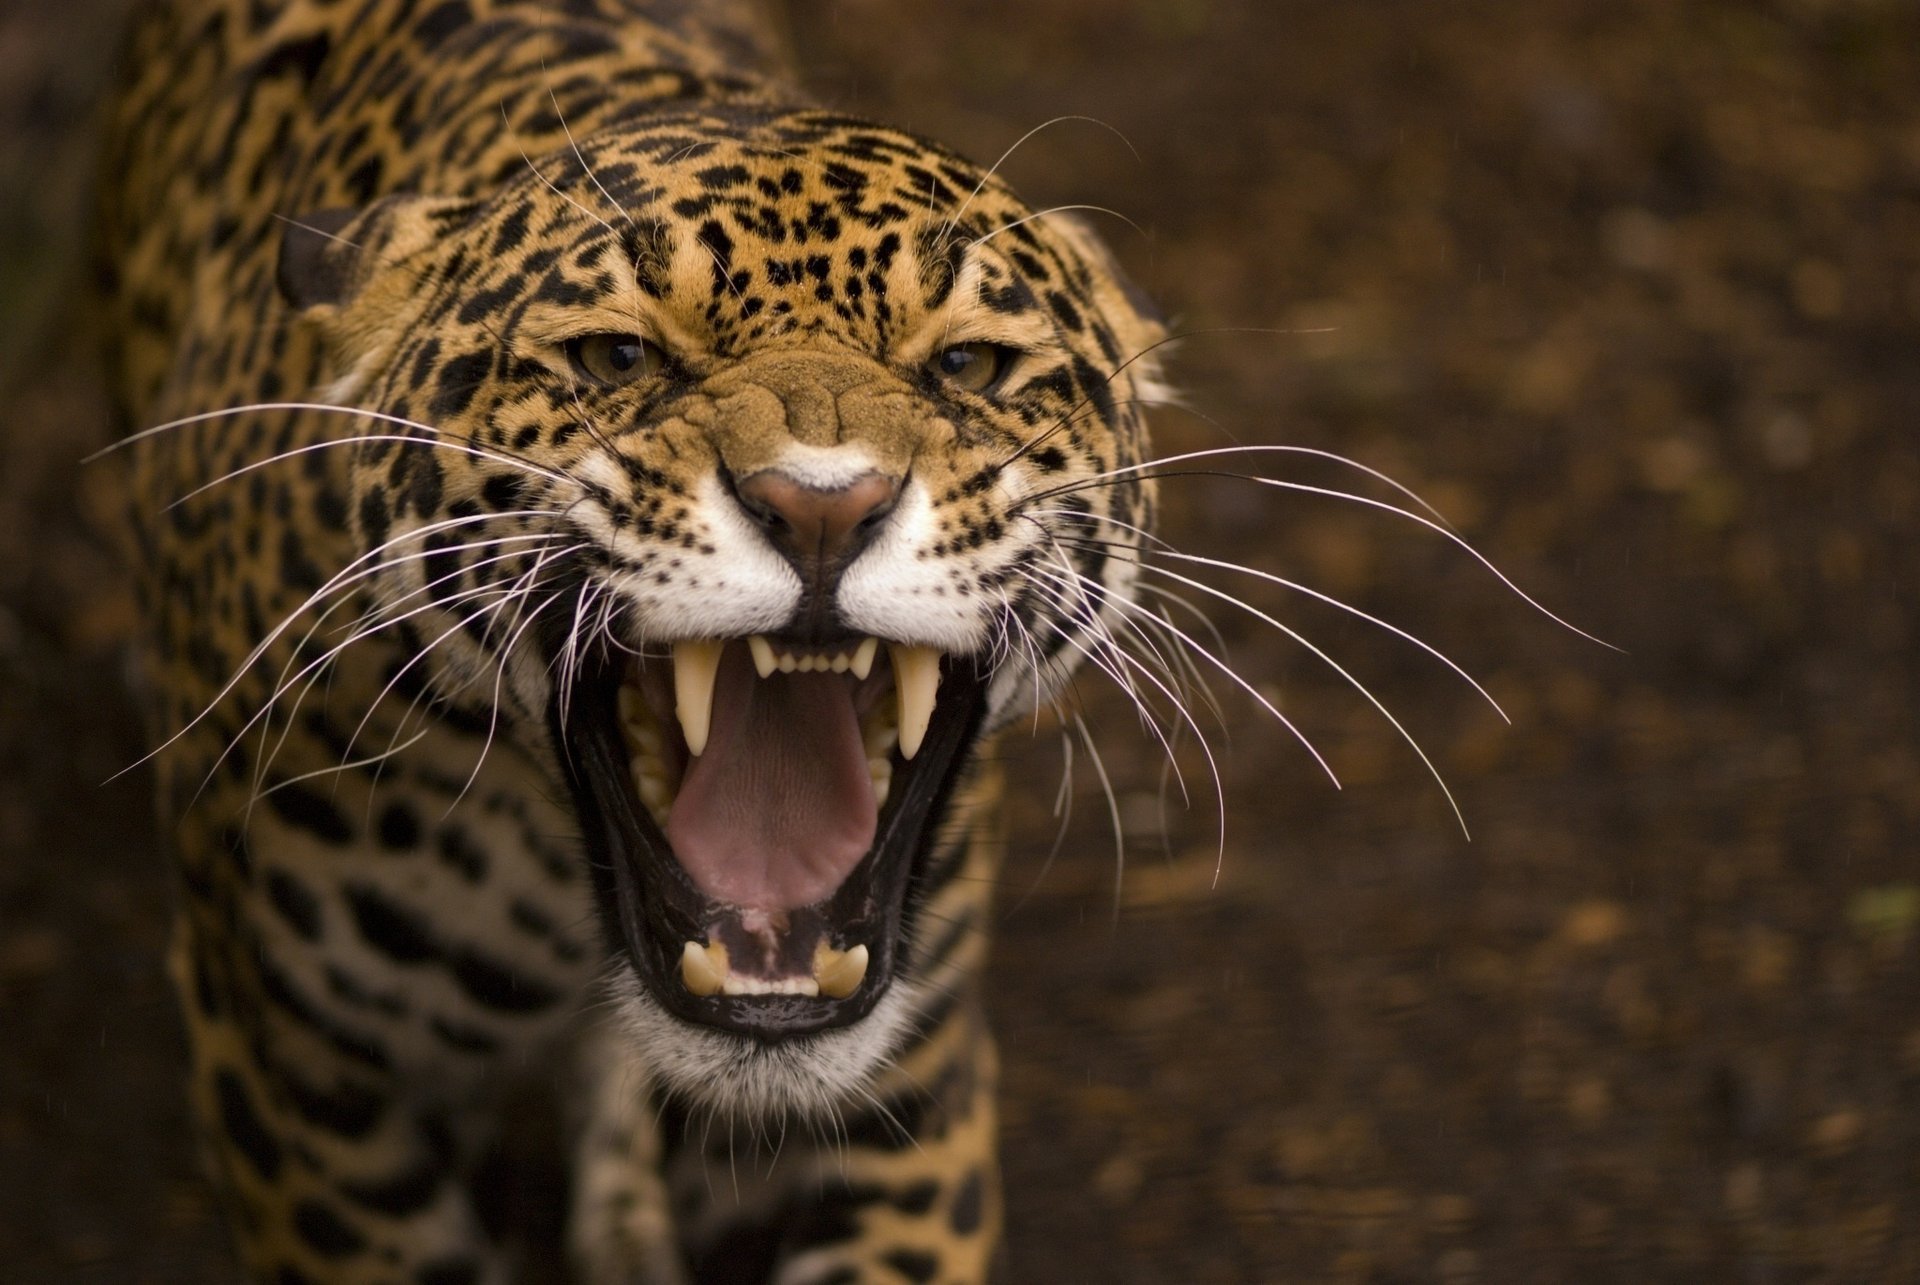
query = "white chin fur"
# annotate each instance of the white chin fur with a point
(741, 1078)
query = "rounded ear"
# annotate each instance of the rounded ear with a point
(316, 262)
(328, 256)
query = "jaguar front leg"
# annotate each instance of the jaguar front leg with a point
(328, 1167)
(622, 1230)
(360, 968)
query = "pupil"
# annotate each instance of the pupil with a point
(624, 356)
(955, 360)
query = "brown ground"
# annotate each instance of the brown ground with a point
(1631, 290)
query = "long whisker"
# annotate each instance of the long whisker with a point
(1370, 502)
(1216, 452)
(1161, 668)
(1185, 715)
(521, 587)
(577, 155)
(313, 668)
(1062, 813)
(187, 421)
(505, 658)
(393, 749)
(1054, 209)
(280, 457)
(1194, 678)
(1113, 812)
(1112, 660)
(340, 579)
(1332, 664)
(551, 185)
(1067, 417)
(1018, 143)
(1197, 649)
(311, 674)
(1165, 550)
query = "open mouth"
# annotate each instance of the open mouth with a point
(758, 811)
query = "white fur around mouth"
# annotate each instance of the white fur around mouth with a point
(902, 722)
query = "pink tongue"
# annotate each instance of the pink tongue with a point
(779, 809)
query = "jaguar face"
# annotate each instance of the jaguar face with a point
(727, 462)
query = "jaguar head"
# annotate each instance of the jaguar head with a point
(750, 471)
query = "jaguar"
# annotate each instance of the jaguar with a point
(591, 507)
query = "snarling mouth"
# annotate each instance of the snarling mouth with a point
(758, 811)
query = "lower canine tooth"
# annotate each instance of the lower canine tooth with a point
(762, 650)
(694, 665)
(916, 677)
(703, 968)
(839, 972)
(653, 792)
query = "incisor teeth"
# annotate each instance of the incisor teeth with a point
(839, 972)
(916, 677)
(762, 651)
(767, 661)
(738, 985)
(703, 968)
(694, 665)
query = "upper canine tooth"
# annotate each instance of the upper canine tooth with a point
(863, 657)
(762, 654)
(839, 972)
(694, 665)
(703, 968)
(916, 676)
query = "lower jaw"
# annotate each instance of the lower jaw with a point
(718, 1072)
(650, 909)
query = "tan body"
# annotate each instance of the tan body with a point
(386, 916)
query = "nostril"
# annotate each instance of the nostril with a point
(815, 525)
(765, 515)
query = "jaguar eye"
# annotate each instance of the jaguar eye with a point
(972, 368)
(614, 360)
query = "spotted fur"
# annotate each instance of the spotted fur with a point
(384, 518)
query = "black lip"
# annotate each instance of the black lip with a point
(649, 907)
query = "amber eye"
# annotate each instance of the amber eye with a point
(614, 359)
(972, 368)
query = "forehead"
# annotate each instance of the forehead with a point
(783, 179)
(771, 221)
(693, 166)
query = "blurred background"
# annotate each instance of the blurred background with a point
(1630, 291)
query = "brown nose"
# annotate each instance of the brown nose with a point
(816, 529)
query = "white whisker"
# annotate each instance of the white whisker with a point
(954, 221)
(1165, 550)
(1337, 668)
